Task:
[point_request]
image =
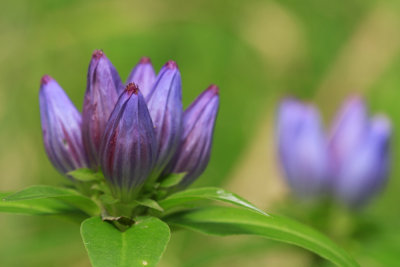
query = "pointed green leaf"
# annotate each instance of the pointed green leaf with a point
(150, 203)
(173, 179)
(224, 221)
(68, 196)
(86, 175)
(206, 193)
(36, 206)
(141, 245)
(40, 191)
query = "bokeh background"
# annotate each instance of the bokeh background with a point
(257, 52)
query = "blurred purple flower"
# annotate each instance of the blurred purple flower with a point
(129, 135)
(351, 164)
(359, 151)
(61, 127)
(302, 148)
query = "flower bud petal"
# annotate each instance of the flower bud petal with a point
(194, 151)
(128, 147)
(61, 127)
(143, 75)
(103, 88)
(302, 148)
(165, 106)
(365, 169)
(348, 130)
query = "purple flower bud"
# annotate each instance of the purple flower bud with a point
(362, 162)
(302, 148)
(143, 75)
(194, 151)
(103, 88)
(128, 147)
(348, 130)
(165, 106)
(61, 127)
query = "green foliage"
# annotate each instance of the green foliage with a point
(141, 245)
(42, 194)
(86, 175)
(150, 203)
(36, 206)
(172, 179)
(206, 193)
(140, 241)
(224, 221)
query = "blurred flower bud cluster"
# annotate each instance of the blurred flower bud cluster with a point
(350, 163)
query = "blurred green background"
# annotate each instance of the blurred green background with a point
(256, 51)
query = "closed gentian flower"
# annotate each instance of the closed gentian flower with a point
(143, 75)
(135, 139)
(103, 89)
(359, 150)
(302, 148)
(165, 106)
(61, 127)
(194, 151)
(128, 149)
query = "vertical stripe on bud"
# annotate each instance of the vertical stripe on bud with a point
(364, 169)
(103, 88)
(128, 147)
(143, 75)
(61, 127)
(348, 130)
(302, 148)
(165, 106)
(194, 151)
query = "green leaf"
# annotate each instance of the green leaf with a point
(86, 175)
(206, 193)
(47, 206)
(150, 203)
(40, 191)
(68, 196)
(172, 179)
(141, 245)
(224, 221)
(108, 199)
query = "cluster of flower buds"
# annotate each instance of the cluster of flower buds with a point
(350, 163)
(134, 132)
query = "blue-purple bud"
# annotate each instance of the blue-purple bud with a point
(128, 149)
(302, 148)
(359, 150)
(348, 130)
(61, 127)
(165, 107)
(194, 151)
(143, 75)
(102, 91)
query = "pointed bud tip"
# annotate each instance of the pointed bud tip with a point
(45, 80)
(97, 54)
(132, 88)
(171, 64)
(355, 99)
(213, 88)
(145, 60)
